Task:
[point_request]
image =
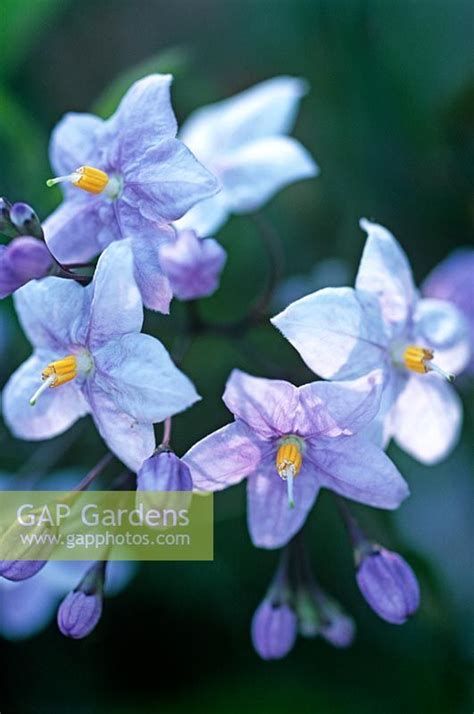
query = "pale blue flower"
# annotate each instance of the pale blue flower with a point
(344, 333)
(243, 141)
(92, 358)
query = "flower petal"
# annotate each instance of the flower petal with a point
(144, 116)
(272, 523)
(137, 372)
(53, 313)
(116, 307)
(153, 284)
(441, 326)
(225, 457)
(167, 182)
(80, 229)
(130, 440)
(380, 430)
(27, 607)
(267, 109)
(55, 411)
(427, 418)
(357, 469)
(267, 405)
(252, 174)
(384, 270)
(337, 331)
(206, 217)
(73, 143)
(333, 408)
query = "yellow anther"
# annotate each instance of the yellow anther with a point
(415, 358)
(288, 460)
(63, 370)
(88, 178)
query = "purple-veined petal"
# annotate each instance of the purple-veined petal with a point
(384, 270)
(80, 228)
(357, 469)
(252, 174)
(153, 284)
(441, 327)
(333, 408)
(225, 457)
(138, 373)
(267, 405)
(167, 182)
(272, 523)
(206, 217)
(53, 313)
(73, 143)
(56, 410)
(116, 307)
(338, 332)
(427, 418)
(143, 117)
(130, 440)
(267, 109)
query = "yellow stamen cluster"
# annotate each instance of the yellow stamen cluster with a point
(415, 358)
(88, 178)
(289, 459)
(62, 370)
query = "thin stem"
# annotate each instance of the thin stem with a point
(93, 473)
(167, 428)
(355, 532)
(273, 246)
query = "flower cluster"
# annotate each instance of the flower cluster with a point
(144, 201)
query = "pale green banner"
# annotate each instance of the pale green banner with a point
(105, 525)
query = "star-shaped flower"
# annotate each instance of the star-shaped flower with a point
(92, 358)
(243, 141)
(291, 441)
(342, 333)
(136, 178)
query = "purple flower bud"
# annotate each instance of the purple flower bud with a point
(81, 609)
(389, 585)
(6, 226)
(22, 260)
(192, 265)
(337, 627)
(25, 220)
(22, 559)
(274, 629)
(20, 569)
(164, 471)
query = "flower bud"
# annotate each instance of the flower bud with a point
(25, 220)
(164, 472)
(20, 569)
(6, 226)
(337, 627)
(22, 260)
(274, 629)
(192, 265)
(81, 609)
(25, 559)
(389, 585)
(319, 614)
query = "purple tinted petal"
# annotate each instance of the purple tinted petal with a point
(427, 418)
(206, 217)
(27, 258)
(78, 614)
(267, 405)
(73, 143)
(80, 229)
(26, 607)
(357, 469)
(389, 585)
(153, 284)
(192, 265)
(274, 629)
(225, 457)
(441, 327)
(272, 523)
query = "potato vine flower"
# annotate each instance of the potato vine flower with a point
(452, 280)
(127, 177)
(243, 141)
(344, 333)
(90, 354)
(291, 441)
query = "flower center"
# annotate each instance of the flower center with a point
(419, 359)
(62, 371)
(288, 462)
(87, 178)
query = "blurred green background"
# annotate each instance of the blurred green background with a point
(390, 121)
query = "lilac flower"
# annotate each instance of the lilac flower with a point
(452, 280)
(389, 585)
(22, 260)
(136, 178)
(343, 333)
(93, 359)
(274, 630)
(290, 442)
(243, 141)
(81, 609)
(192, 265)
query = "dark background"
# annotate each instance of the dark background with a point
(390, 121)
